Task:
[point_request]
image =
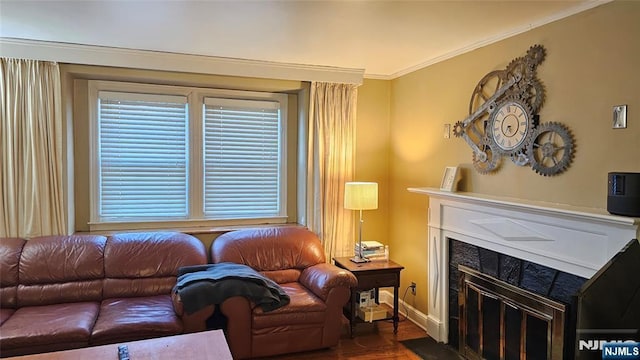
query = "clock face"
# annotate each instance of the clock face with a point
(509, 126)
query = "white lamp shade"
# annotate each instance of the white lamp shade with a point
(361, 195)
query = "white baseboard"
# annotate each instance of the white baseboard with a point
(415, 316)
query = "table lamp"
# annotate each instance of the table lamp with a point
(360, 196)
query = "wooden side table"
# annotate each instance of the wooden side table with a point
(372, 275)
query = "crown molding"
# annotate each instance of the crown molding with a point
(156, 60)
(473, 46)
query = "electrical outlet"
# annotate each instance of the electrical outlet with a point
(447, 131)
(413, 288)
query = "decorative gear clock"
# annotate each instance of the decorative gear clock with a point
(510, 124)
(503, 121)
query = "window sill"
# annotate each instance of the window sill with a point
(187, 226)
(187, 230)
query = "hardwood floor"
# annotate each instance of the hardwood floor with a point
(372, 341)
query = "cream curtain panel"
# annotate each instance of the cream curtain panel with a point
(331, 151)
(31, 188)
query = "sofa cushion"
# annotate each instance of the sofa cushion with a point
(60, 269)
(49, 327)
(269, 249)
(283, 276)
(10, 249)
(304, 308)
(5, 314)
(146, 317)
(146, 264)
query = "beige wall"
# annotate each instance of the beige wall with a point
(372, 153)
(591, 65)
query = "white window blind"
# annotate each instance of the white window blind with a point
(242, 155)
(143, 156)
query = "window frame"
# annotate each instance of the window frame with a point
(195, 100)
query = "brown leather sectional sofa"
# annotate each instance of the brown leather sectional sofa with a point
(294, 258)
(63, 292)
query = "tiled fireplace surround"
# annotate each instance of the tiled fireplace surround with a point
(574, 241)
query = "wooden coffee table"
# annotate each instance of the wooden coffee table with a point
(204, 345)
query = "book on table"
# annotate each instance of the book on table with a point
(370, 245)
(371, 249)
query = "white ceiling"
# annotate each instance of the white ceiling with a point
(385, 38)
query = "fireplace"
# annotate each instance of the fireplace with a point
(502, 307)
(547, 250)
(501, 321)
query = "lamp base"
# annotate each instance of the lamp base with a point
(358, 260)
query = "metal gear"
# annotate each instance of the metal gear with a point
(520, 69)
(535, 55)
(458, 129)
(486, 87)
(517, 66)
(520, 158)
(551, 150)
(534, 94)
(487, 165)
(528, 85)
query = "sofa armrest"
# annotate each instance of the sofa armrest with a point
(191, 322)
(238, 310)
(322, 278)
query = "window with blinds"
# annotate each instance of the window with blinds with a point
(242, 158)
(143, 156)
(169, 156)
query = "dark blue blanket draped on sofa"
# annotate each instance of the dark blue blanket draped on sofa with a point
(202, 285)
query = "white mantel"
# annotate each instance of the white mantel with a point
(571, 239)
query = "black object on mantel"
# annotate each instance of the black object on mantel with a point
(623, 194)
